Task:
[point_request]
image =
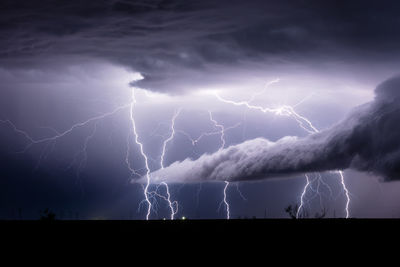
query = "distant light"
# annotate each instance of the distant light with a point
(183, 218)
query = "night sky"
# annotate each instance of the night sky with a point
(111, 109)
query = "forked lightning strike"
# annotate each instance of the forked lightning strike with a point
(34, 141)
(222, 130)
(222, 138)
(162, 158)
(304, 123)
(284, 110)
(146, 160)
(346, 192)
(173, 205)
(226, 202)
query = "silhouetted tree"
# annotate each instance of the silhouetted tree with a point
(291, 210)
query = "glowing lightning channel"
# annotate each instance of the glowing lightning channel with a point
(343, 186)
(84, 154)
(222, 136)
(222, 131)
(164, 149)
(302, 196)
(263, 90)
(304, 123)
(93, 120)
(146, 160)
(204, 134)
(173, 205)
(169, 139)
(346, 192)
(284, 110)
(33, 141)
(225, 201)
(58, 135)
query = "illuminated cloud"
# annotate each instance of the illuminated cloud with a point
(181, 45)
(367, 140)
(64, 61)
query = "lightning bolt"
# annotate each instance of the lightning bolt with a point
(205, 134)
(240, 192)
(173, 205)
(346, 192)
(52, 140)
(303, 122)
(162, 159)
(221, 132)
(284, 110)
(84, 153)
(143, 154)
(149, 195)
(302, 196)
(33, 141)
(344, 187)
(222, 138)
(226, 202)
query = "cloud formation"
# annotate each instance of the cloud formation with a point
(367, 140)
(176, 44)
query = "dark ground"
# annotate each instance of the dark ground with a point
(193, 242)
(250, 228)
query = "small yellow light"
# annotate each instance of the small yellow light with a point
(183, 218)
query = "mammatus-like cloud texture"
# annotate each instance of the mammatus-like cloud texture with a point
(367, 140)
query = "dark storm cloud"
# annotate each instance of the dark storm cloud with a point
(173, 43)
(368, 140)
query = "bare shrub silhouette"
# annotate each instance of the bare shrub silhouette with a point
(47, 215)
(292, 210)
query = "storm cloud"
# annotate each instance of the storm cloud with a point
(180, 45)
(65, 61)
(367, 140)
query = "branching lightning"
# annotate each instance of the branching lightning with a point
(205, 134)
(33, 141)
(303, 122)
(222, 138)
(219, 129)
(221, 132)
(346, 192)
(146, 160)
(302, 196)
(58, 135)
(226, 202)
(162, 159)
(173, 205)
